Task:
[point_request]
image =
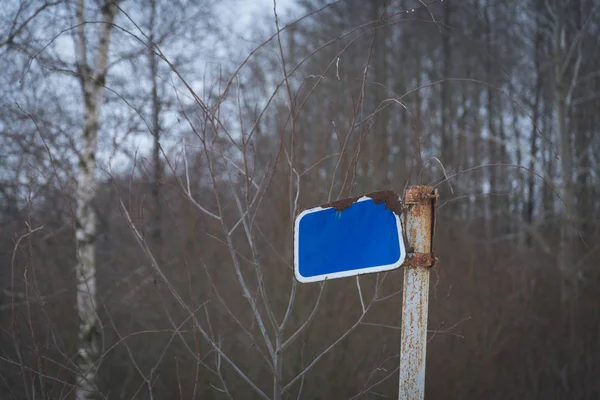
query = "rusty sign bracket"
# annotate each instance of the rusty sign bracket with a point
(420, 204)
(414, 197)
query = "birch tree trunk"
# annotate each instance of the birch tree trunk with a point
(92, 80)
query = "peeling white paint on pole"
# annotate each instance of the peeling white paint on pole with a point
(419, 229)
(414, 333)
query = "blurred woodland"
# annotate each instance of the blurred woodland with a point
(155, 153)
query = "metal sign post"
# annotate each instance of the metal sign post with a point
(419, 221)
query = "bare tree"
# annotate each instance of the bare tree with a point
(91, 68)
(567, 30)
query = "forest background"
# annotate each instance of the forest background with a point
(155, 153)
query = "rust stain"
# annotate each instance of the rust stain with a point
(341, 205)
(420, 260)
(434, 203)
(389, 197)
(418, 194)
(421, 202)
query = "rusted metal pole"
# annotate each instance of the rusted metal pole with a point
(419, 222)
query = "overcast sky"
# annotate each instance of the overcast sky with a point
(240, 15)
(241, 18)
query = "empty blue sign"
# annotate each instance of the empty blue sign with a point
(349, 237)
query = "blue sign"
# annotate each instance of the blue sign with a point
(349, 237)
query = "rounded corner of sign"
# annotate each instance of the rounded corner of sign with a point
(304, 213)
(299, 217)
(400, 261)
(402, 256)
(299, 276)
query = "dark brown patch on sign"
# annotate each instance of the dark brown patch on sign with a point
(341, 205)
(392, 200)
(389, 197)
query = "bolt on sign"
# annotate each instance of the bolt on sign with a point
(349, 237)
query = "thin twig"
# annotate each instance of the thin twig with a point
(360, 296)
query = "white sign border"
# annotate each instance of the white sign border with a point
(343, 274)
